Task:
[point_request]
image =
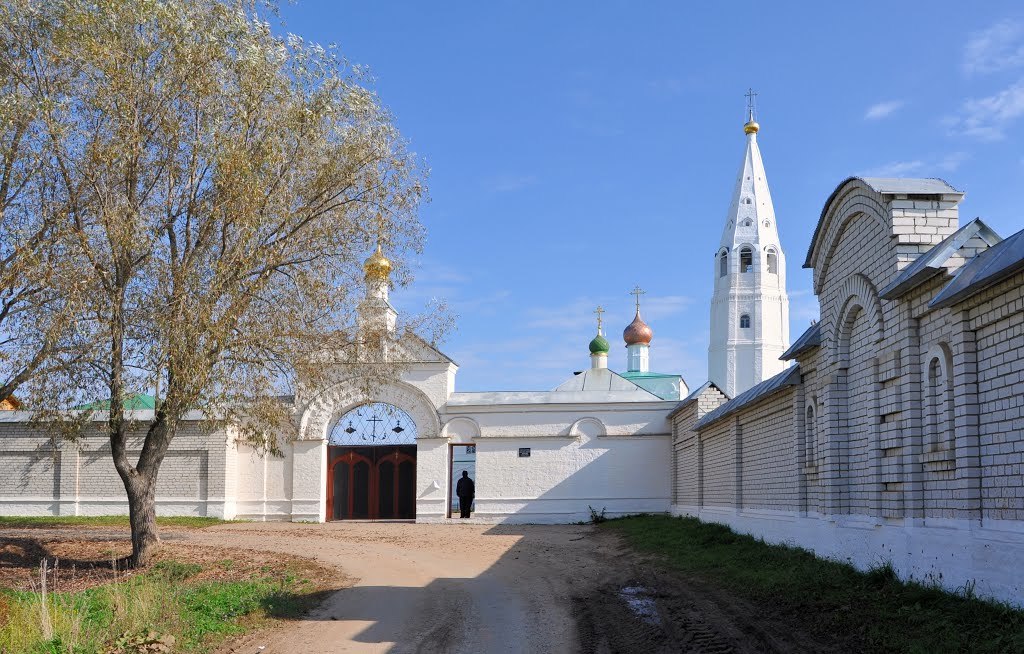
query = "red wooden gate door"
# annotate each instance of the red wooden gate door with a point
(348, 485)
(370, 483)
(396, 479)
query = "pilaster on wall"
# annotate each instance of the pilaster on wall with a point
(309, 480)
(799, 423)
(835, 459)
(913, 438)
(966, 414)
(874, 443)
(66, 467)
(220, 483)
(737, 432)
(700, 470)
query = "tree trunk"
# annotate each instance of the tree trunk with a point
(142, 517)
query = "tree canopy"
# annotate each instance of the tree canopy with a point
(206, 190)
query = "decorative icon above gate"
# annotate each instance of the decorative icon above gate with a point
(373, 425)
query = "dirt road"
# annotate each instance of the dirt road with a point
(481, 589)
(426, 588)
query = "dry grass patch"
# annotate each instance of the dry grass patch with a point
(190, 599)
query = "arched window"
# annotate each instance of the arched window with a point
(747, 201)
(374, 424)
(810, 441)
(746, 260)
(744, 321)
(938, 406)
(723, 264)
(748, 222)
(773, 262)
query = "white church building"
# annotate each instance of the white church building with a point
(892, 430)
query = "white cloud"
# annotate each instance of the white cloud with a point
(579, 314)
(883, 109)
(924, 167)
(896, 169)
(655, 307)
(996, 48)
(988, 118)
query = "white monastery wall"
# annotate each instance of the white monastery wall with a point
(614, 457)
(47, 477)
(903, 439)
(999, 341)
(766, 444)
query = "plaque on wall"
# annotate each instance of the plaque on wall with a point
(524, 452)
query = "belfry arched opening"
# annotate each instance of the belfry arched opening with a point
(371, 465)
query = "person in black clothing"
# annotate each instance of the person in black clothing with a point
(466, 490)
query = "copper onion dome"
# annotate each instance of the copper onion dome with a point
(637, 332)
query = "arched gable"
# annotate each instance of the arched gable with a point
(852, 198)
(589, 427)
(859, 295)
(461, 430)
(324, 410)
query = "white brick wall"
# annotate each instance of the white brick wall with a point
(40, 476)
(934, 486)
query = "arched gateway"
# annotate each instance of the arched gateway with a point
(371, 464)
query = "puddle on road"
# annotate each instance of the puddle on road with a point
(641, 603)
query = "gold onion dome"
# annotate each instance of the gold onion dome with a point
(637, 332)
(377, 265)
(751, 127)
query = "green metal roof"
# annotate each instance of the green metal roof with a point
(132, 402)
(663, 385)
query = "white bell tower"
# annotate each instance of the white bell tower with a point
(749, 308)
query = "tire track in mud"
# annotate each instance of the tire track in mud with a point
(673, 615)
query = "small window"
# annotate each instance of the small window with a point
(747, 222)
(747, 201)
(773, 262)
(723, 264)
(746, 260)
(744, 321)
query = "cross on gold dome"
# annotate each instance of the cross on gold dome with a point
(638, 292)
(599, 311)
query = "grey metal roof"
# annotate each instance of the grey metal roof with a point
(992, 266)
(885, 186)
(808, 340)
(909, 185)
(788, 377)
(692, 397)
(931, 262)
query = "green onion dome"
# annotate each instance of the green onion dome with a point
(599, 345)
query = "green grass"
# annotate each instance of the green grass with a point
(158, 603)
(868, 611)
(23, 522)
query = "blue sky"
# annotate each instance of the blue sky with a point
(579, 148)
